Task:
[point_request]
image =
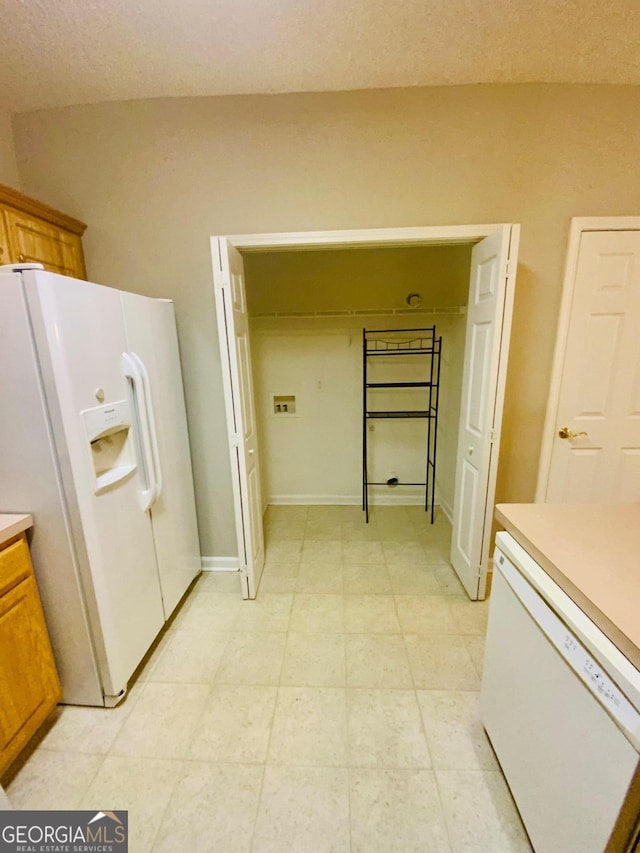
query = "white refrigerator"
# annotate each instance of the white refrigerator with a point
(94, 444)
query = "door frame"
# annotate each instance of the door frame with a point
(408, 236)
(579, 226)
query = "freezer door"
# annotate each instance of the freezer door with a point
(153, 346)
(80, 333)
(35, 480)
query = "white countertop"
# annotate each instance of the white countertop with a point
(11, 524)
(592, 551)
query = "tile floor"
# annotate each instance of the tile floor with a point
(337, 712)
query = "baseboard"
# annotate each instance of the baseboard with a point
(387, 499)
(220, 564)
(447, 509)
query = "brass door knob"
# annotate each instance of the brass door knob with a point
(565, 432)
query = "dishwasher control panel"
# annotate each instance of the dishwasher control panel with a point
(592, 673)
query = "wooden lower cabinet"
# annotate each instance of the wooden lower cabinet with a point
(29, 685)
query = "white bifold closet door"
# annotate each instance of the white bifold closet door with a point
(233, 334)
(489, 312)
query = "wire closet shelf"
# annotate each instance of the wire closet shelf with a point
(389, 344)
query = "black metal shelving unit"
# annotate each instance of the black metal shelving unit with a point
(388, 344)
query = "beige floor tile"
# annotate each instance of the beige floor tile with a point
(303, 810)
(319, 530)
(441, 663)
(413, 580)
(279, 577)
(392, 514)
(51, 780)
(284, 551)
(448, 580)
(385, 729)
(235, 725)
(351, 513)
(162, 722)
(152, 658)
(359, 552)
(325, 513)
(403, 532)
(393, 527)
(456, 738)
(286, 513)
(285, 531)
(141, 786)
(208, 611)
(92, 730)
(252, 657)
(470, 616)
(326, 552)
(437, 551)
(480, 813)
(268, 612)
(359, 531)
(366, 579)
(396, 811)
(425, 614)
(377, 660)
(190, 657)
(309, 727)
(370, 614)
(213, 808)
(319, 577)
(475, 647)
(219, 582)
(403, 552)
(314, 660)
(317, 613)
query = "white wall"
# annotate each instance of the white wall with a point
(315, 456)
(154, 179)
(8, 163)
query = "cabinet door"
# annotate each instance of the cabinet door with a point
(29, 686)
(72, 255)
(5, 250)
(31, 239)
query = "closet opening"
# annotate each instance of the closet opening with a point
(291, 314)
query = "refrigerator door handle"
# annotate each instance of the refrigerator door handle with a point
(143, 441)
(152, 425)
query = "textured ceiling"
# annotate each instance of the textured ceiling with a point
(62, 52)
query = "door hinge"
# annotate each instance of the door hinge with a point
(507, 269)
(492, 436)
(235, 440)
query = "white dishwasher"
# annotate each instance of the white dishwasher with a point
(561, 706)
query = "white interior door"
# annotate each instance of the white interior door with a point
(233, 334)
(489, 310)
(595, 447)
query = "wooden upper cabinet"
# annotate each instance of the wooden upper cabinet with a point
(33, 232)
(4, 242)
